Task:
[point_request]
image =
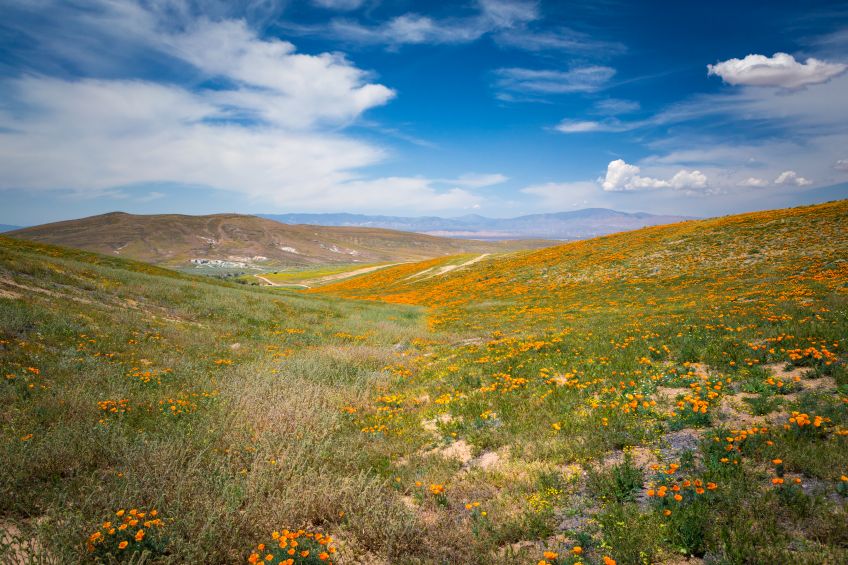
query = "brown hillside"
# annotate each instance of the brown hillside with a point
(176, 240)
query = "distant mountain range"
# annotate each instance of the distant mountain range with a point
(578, 224)
(7, 227)
(236, 242)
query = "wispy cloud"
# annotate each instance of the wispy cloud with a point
(476, 180)
(544, 81)
(615, 106)
(512, 24)
(560, 39)
(413, 28)
(341, 5)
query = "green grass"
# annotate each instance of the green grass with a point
(532, 402)
(85, 323)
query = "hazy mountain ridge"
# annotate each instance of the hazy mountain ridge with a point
(577, 224)
(8, 227)
(235, 241)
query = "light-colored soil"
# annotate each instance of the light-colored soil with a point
(448, 268)
(269, 282)
(319, 281)
(348, 274)
(439, 271)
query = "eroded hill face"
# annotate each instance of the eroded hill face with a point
(238, 242)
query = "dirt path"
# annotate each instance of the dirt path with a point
(329, 278)
(448, 268)
(348, 274)
(272, 283)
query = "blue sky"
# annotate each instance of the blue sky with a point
(496, 107)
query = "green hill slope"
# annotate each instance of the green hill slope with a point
(674, 394)
(124, 385)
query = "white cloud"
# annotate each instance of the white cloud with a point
(269, 131)
(343, 5)
(755, 182)
(579, 126)
(614, 106)
(278, 85)
(841, 165)
(474, 180)
(412, 28)
(619, 175)
(562, 39)
(791, 177)
(96, 134)
(622, 176)
(781, 70)
(91, 136)
(505, 14)
(586, 126)
(689, 180)
(580, 79)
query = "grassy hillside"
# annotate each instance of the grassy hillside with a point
(671, 395)
(126, 386)
(247, 241)
(603, 379)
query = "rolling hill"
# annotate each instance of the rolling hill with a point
(7, 227)
(680, 391)
(577, 224)
(233, 241)
(701, 249)
(676, 394)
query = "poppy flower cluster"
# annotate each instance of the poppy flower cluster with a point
(299, 547)
(129, 532)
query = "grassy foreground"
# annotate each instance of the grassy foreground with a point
(676, 394)
(125, 386)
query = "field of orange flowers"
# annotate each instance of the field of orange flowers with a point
(676, 394)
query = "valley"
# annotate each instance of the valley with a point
(675, 394)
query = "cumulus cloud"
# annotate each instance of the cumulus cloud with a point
(780, 70)
(278, 85)
(754, 182)
(579, 79)
(689, 180)
(791, 177)
(622, 176)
